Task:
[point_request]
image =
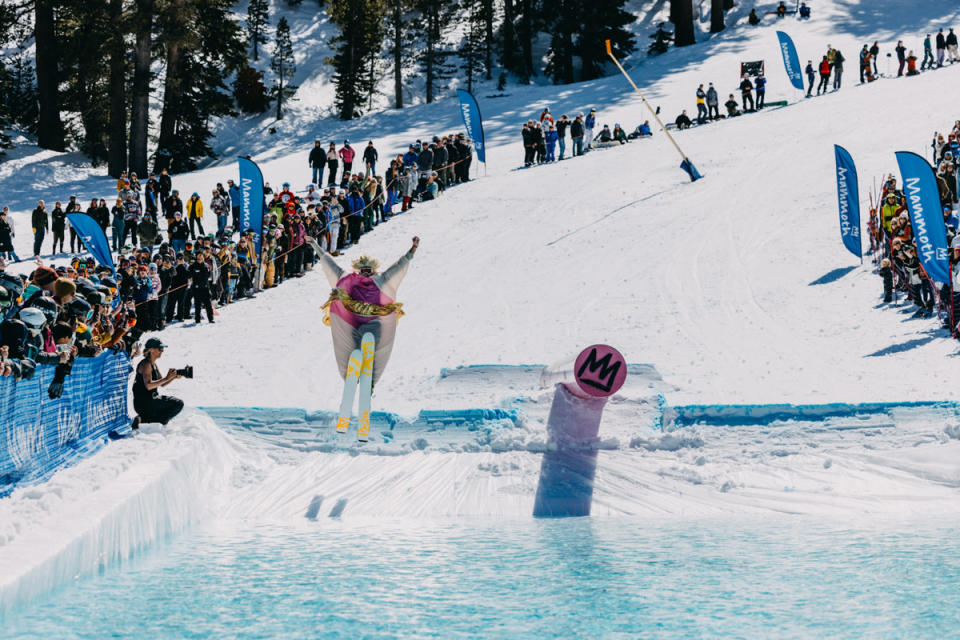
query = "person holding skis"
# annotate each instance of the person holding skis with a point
(364, 301)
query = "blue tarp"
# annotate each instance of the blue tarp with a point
(38, 435)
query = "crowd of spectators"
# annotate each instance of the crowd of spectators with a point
(170, 268)
(893, 245)
(542, 137)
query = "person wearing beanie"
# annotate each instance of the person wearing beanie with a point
(64, 291)
(886, 272)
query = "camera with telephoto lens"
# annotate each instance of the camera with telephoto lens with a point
(186, 372)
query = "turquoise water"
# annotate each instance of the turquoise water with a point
(575, 578)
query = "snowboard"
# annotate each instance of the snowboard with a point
(349, 391)
(367, 347)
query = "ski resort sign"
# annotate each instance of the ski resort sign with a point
(923, 203)
(849, 201)
(790, 60)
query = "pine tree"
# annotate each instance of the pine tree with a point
(85, 72)
(487, 15)
(471, 50)
(607, 22)
(211, 47)
(398, 21)
(435, 19)
(566, 22)
(357, 47)
(716, 16)
(283, 66)
(681, 15)
(50, 130)
(249, 91)
(140, 104)
(117, 136)
(508, 37)
(258, 18)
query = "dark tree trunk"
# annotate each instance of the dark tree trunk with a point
(117, 154)
(526, 24)
(488, 37)
(683, 21)
(140, 105)
(173, 85)
(429, 65)
(49, 125)
(716, 16)
(509, 37)
(397, 54)
(728, 4)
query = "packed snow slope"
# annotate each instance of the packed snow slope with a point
(735, 287)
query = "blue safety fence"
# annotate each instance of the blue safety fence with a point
(38, 435)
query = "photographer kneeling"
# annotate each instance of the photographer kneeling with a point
(147, 402)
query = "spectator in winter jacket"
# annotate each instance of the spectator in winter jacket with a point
(131, 217)
(701, 105)
(233, 191)
(761, 85)
(804, 11)
(824, 75)
(165, 186)
(346, 154)
(173, 206)
(177, 233)
(576, 135)
(951, 42)
(219, 208)
(551, 142)
(74, 207)
(58, 226)
(116, 224)
(354, 210)
(317, 161)
(713, 103)
(642, 131)
(149, 233)
(874, 55)
(927, 54)
(562, 124)
(619, 135)
(837, 63)
(732, 107)
(886, 272)
(746, 89)
(6, 236)
(40, 224)
(370, 156)
(588, 129)
(912, 64)
(811, 75)
(683, 121)
(545, 118)
(333, 163)
(901, 56)
(410, 157)
(941, 48)
(195, 213)
(753, 18)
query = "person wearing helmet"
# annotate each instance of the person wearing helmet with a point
(149, 405)
(363, 302)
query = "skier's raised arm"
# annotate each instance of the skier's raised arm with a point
(331, 268)
(390, 279)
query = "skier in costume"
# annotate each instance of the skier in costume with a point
(364, 302)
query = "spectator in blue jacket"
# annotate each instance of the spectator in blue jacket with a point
(811, 76)
(354, 209)
(761, 86)
(551, 138)
(234, 192)
(410, 157)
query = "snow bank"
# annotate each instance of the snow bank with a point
(134, 493)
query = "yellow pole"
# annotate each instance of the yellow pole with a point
(635, 88)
